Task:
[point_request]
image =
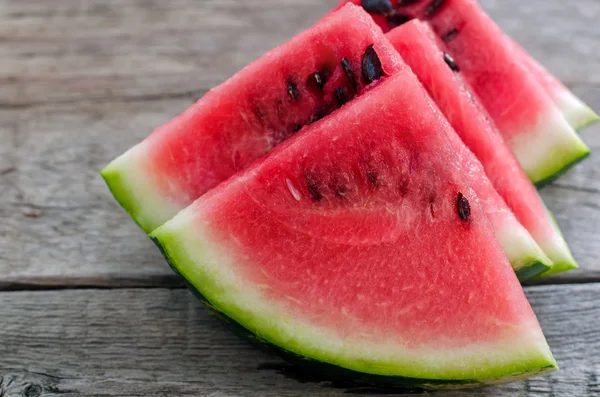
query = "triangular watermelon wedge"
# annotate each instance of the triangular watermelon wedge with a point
(221, 133)
(360, 245)
(531, 108)
(242, 119)
(419, 47)
(531, 124)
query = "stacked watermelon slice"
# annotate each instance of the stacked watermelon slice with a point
(363, 202)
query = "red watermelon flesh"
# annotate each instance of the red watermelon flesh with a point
(292, 250)
(534, 128)
(512, 89)
(419, 47)
(248, 115)
(149, 179)
(577, 113)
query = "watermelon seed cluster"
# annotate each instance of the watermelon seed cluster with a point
(372, 70)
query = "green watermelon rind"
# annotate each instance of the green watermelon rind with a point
(594, 118)
(525, 256)
(566, 167)
(183, 261)
(561, 266)
(332, 372)
(135, 194)
(569, 154)
(577, 113)
(531, 270)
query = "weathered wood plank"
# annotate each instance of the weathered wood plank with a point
(60, 51)
(53, 50)
(58, 219)
(565, 39)
(157, 342)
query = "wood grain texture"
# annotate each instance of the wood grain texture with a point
(158, 342)
(53, 50)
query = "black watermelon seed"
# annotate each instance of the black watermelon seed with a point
(317, 78)
(450, 35)
(313, 187)
(433, 7)
(382, 7)
(297, 127)
(450, 62)
(397, 19)
(293, 92)
(341, 96)
(463, 207)
(348, 72)
(371, 65)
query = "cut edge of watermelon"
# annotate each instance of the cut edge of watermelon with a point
(550, 149)
(207, 266)
(578, 114)
(569, 262)
(524, 254)
(128, 182)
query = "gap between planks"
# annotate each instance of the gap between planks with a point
(176, 282)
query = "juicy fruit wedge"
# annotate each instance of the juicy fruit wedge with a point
(524, 254)
(358, 243)
(389, 14)
(528, 120)
(531, 108)
(419, 47)
(577, 113)
(241, 120)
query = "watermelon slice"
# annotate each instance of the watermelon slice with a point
(245, 117)
(578, 114)
(171, 148)
(359, 244)
(524, 254)
(420, 48)
(530, 123)
(536, 130)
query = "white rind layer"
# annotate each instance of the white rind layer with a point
(549, 148)
(130, 182)
(520, 247)
(578, 114)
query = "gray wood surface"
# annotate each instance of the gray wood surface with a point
(81, 81)
(160, 342)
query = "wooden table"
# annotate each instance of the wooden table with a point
(87, 304)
